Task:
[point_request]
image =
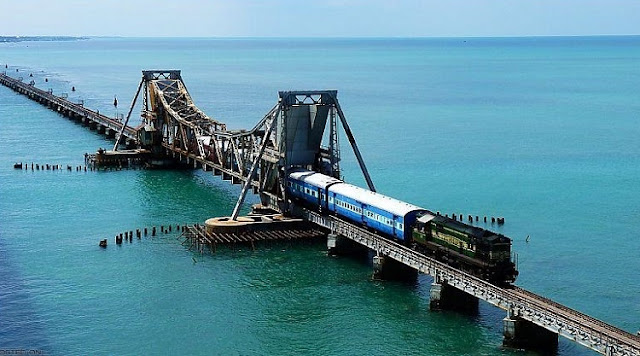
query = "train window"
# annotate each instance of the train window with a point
(289, 184)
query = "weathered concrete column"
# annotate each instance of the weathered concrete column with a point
(446, 297)
(386, 268)
(435, 294)
(341, 246)
(332, 244)
(523, 334)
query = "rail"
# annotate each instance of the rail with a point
(583, 329)
(32, 92)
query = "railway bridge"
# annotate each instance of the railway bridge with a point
(75, 111)
(293, 133)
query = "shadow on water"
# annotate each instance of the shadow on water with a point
(20, 327)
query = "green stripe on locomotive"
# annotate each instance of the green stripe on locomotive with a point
(452, 246)
(419, 237)
(422, 238)
(457, 234)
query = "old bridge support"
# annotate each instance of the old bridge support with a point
(259, 159)
(523, 334)
(445, 297)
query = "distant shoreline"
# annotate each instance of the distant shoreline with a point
(39, 38)
(9, 39)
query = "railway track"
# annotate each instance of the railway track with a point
(584, 320)
(564, 321)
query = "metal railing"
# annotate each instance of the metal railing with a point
(65, 104)
(583, 329)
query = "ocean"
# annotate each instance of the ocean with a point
(541, 131)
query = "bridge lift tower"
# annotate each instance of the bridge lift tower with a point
(292, 134)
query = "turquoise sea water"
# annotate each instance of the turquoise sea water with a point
(542, 131)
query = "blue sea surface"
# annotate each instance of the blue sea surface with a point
(542, 131)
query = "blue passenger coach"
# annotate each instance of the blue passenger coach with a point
(310, 187)
(374, 210)
(480, 252)
(377, 211)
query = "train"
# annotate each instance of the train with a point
(478, 251)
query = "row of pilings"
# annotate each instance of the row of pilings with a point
(77, 168)
(470, 218)
(127, 236)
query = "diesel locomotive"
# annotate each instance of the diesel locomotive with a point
(480, 252)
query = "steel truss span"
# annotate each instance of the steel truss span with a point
(290, 136)
(573, 325)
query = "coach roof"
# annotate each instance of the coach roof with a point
(394, 206)
(313, 178)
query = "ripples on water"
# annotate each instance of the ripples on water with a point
(542, 131)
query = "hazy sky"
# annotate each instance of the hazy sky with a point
(311, 18)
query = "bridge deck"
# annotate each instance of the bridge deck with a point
(583, 329)
(63, 105)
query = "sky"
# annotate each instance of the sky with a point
(319, 18)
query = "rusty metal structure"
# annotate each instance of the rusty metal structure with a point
(289, 135)
(293, 134)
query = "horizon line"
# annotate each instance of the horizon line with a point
(320, 37)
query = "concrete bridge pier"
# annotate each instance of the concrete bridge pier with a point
(341, 246)
(523, 334)
(386, 268)
(445, 297)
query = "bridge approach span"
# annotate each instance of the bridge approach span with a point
(519, 303)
